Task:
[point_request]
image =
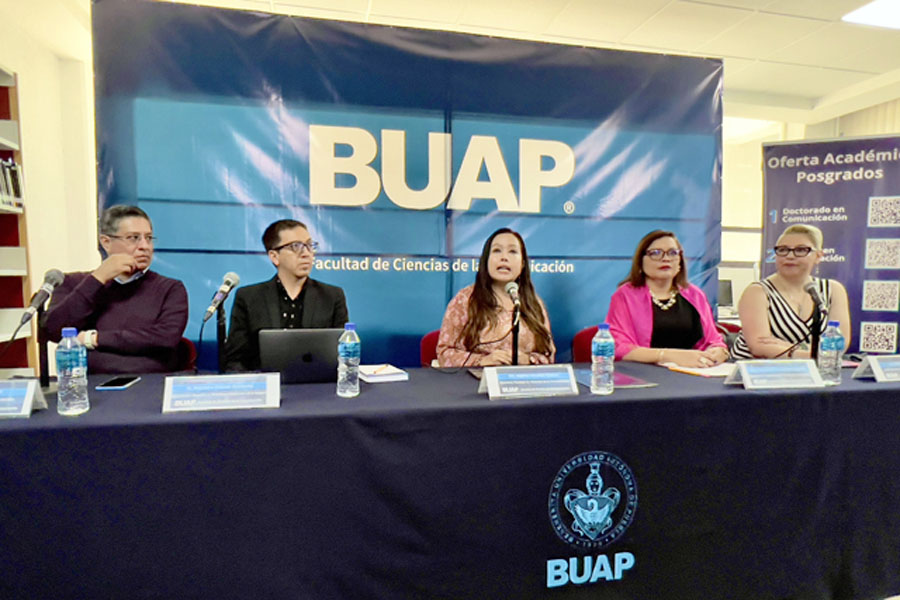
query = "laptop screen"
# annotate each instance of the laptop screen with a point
(726, 297)
(300, 355)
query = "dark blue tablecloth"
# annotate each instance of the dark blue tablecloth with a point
(425, 489)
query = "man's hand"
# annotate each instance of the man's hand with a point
(114, 266)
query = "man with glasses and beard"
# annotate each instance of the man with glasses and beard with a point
(130, 318)
(290, 300)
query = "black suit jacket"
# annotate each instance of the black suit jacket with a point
(256, 307)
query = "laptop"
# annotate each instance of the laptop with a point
(726, 300)
(300, 355)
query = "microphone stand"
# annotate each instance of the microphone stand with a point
(221, 335)
(816, 331)
(43, 361)
(515, 336)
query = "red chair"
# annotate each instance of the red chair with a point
(187, 355)
(728, 327)
(581, 344)
(428, 347)
(729, 332)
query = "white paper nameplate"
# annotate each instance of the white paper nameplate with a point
(222, 392)
(528, 381)
(775, 374)
(18, 397)
(882, 368)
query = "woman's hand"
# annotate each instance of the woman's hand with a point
(688, 358)
(497, 357)
(715, 355)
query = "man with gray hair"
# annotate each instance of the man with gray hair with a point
(130, 318)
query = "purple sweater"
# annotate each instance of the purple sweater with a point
(139, 324)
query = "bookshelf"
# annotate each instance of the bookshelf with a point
(15, 286)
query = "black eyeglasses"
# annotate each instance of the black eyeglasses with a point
(799, 251)
(135, 238)
(658, 254)
(298, 247)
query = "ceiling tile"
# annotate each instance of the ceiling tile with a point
(751, 4)
(417, 10)
(263, 5)
(522, 15)
(603, 20)
(685, 26)
(759, 34)
(736, 65)
(335, 5)
(831, 10)
(792, 80)
(880, 57)
(831, 45)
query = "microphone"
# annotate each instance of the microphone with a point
(231, 280)
(52, 278)
(810, 288)
(512, 288)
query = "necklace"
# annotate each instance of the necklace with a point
(797, 304)
(667, 304)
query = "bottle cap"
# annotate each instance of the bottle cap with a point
(834, 324)
(603, 326)
(69, 332)
(349, 326)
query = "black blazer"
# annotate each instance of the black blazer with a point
(256, 307)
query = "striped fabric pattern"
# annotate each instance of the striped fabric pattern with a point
(784, 323)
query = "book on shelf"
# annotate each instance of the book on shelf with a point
(382, 373)
(10, 184)
(15, 176)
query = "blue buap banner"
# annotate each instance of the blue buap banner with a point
(850, 189)
(402, 149)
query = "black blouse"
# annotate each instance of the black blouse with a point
(677, 327)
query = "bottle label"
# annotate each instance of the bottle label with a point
(605, 348)
(835, 343)
(348, 350)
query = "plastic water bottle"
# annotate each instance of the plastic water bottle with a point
(348, 362)
(71, 373)
(831, 351)
(603, 355)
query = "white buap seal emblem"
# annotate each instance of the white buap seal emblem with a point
(592, 500)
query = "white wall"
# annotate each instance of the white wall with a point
(879, 120)
(57, 137)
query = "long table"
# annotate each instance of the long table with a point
(426, 489)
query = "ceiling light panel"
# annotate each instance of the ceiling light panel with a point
(830, 10)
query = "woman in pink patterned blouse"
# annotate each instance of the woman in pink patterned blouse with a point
(477, 327)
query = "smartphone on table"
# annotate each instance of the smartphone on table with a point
(119, 383)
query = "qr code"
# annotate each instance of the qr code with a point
(883, 254)
(881, 295)
(878, 337)
(884, 211)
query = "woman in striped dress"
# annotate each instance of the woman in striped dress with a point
(777, 312)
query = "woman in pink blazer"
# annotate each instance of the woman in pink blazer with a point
(657, 316)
